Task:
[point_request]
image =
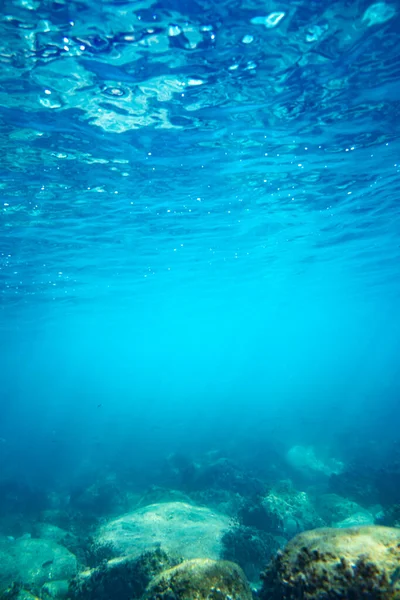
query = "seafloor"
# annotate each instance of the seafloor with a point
(110, 538)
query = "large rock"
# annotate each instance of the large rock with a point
(337, 511)
(34, 562)
(359, 519)
(304, 460)
(200, 579)
(47, 531)
(389, 516)
(179, 528)
(290, 511)
(327, 564)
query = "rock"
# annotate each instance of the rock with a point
(333, 508)
(337, 511)
(222, 501)
(33, 562)
(123, 578)
(253, 513)
(290, 511)
(55, 589)
(47, 531)
(157, 495)
(8, 568)
(57, 517)
(200, 579)
(304, 460)
(327, 564)
(179, 528)
(390, 516)
(358, 519)
(77, 546)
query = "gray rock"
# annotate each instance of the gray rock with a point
(179, 528)
(34, 562)
(333, 508)
(338, 511)
(358, 519)
(47, 531)
(304, 460)
(292, 509)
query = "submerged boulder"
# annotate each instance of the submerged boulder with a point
(179, 528)
(34, 562)
(200, 579)
(290, 511)
(390, 516)
(338, 511)
(124, 578)
(305, 461)
(47, 531)
(358, 519)
(327, 564)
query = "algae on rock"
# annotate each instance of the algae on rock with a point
(124, 578)
(327, 564)
(291, 509)
(200, 579)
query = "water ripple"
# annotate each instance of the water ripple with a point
(194, 141)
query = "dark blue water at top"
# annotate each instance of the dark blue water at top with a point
(199, 224)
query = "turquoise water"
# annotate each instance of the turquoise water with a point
(199, 230)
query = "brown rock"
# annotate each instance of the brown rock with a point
(200, 579)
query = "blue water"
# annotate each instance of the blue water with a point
(199, 232)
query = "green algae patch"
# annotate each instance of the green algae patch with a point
(124, 578)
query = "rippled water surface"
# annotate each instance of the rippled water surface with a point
(158, 145)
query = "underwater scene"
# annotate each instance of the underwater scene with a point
(199, 299)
